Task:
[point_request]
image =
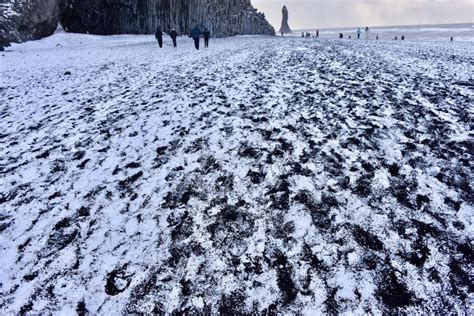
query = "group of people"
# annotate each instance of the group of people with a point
(367, 35)
(308, 34)
(359, 32)
(196, 34)
(341, 35)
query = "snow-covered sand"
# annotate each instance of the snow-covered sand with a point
(261, 175)
(426, 33)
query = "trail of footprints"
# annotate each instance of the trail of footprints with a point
(263, 175)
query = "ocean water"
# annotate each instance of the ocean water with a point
(442, 32)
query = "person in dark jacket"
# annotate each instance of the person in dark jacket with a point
(196, 35)
(207, 35)
(174, 36)
(3, 43)
(159, 37)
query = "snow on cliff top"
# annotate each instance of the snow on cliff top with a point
(7, 10)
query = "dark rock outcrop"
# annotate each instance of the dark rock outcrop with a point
(285, 27)
(222, 17)
(27, 20)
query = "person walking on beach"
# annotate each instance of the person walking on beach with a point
(207, 35)
(159, 37)
(317, 33)
(367, 30)
(403, 37)
(196, 36)
(174, 36)
(359, 32)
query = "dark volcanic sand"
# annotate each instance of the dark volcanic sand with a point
(263, 175)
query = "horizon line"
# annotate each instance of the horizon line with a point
(399, 25)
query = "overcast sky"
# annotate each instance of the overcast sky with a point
(344, 13)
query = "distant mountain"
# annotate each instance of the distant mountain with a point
(25, 20)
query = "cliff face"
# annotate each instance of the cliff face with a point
(222, 17)
(27, 20)
(22, 20)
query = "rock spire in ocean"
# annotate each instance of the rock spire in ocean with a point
(285, 27)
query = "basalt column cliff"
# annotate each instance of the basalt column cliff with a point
(22, 20)
(222, 17)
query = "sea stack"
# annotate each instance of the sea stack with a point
(285, 28)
